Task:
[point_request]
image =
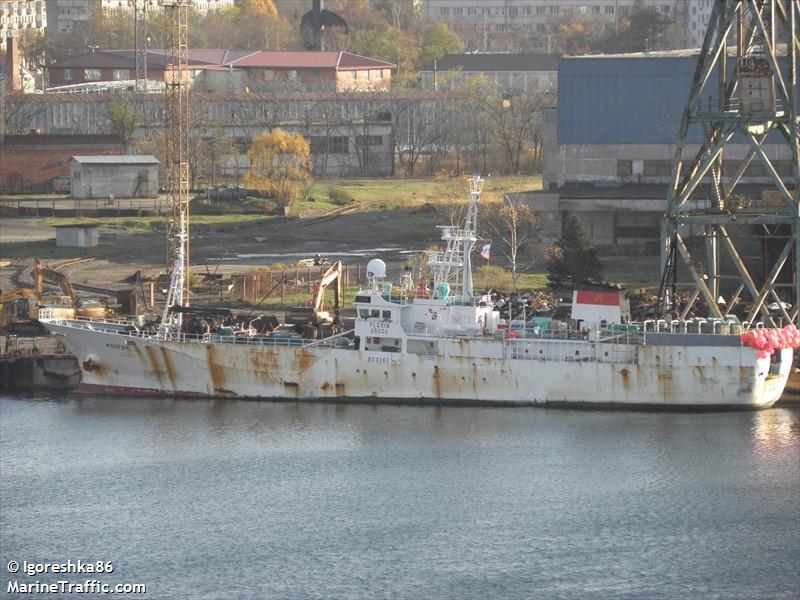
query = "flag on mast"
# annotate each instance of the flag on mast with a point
(486, 251)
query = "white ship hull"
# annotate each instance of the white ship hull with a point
(466, 370)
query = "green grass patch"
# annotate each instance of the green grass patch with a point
(394, 193)
(159, 224)
(492, 276)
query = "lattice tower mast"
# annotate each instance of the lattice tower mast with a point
(744, 90)
(176, 80)
(140, 43)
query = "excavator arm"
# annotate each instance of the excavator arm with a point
(333, 274)
(42, 273)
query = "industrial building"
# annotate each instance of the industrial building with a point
(82, 235)
(610, 144)
(114, 176)
(40, 163)
(513, 72)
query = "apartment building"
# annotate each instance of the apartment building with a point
(65, 15)
(515, 25)
(16, 17)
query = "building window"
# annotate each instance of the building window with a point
(379, 74)
(554, 10)
(595, 10)
(471, 11)
(121, 74)
(540, 10)
(444, 11)
(92, 74)
(609, 9)
(624, 168)
(329, 145)
(369, 140)
(67, 74)
(458, 11)
(291, 75)
(665, 9)
(540, 27)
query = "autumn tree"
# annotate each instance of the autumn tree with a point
(573, 258)
(438, 40)
(280, 166)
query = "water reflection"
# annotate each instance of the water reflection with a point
(776, 429)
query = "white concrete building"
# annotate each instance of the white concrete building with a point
(82, 235)
(502, 25)
(111, 177)
(66, 14)
(16, 17)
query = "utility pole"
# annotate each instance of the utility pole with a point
(745, 90)
(140, 43)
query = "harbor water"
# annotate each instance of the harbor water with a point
(262, 500)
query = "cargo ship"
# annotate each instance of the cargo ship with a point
(437, 341)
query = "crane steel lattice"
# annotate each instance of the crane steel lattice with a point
(745, 90)
(140, 43)
(176, 82)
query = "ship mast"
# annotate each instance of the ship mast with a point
(453, 266)
(176, 88)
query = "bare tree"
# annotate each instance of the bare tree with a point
(20, 111)
(517, 124)
(517, 226)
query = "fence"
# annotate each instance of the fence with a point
(255, 287)
(67, 207)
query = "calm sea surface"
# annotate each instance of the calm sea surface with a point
(230, 499)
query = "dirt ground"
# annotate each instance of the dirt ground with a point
(353, 238)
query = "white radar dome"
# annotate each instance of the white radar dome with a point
(376, 268)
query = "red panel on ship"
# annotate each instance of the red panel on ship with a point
(602, 298)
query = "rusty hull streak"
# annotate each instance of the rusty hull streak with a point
(305, 360)
(626, 379)
(265, 364)
(217, 373)
(154, 364)
(170, 368)
(340, 390)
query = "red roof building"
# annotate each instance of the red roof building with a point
(233, 70)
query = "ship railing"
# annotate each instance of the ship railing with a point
(709, 326)
(566, 350)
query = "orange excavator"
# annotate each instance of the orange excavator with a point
(315, 314)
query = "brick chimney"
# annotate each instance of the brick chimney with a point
(13, 73)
